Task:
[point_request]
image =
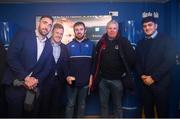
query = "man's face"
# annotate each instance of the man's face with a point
(112, 30)
(45, 25)
(149, 28)
(79, 31)
(57, 35)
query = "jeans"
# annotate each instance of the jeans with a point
(72, 94)
(115, 89)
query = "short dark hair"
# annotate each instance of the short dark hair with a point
(148, 19)
(50, 17)
(79, 23)
(57, 26)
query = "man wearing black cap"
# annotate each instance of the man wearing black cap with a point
(155, 58)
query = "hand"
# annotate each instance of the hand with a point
(70, 79)
(90, 81)
(30, 82)
(35, 82)
(143, 77)
(147, 80)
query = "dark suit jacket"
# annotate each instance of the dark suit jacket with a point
(22, 58)
(2, 60)
(62, 72)
(62, 64)
(52, 87)
(158, 62)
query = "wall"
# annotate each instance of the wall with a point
(24, 14)
(178, 25)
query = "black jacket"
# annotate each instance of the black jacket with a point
(2, 62)
(158, 61)
(123, 45)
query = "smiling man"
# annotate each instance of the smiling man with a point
(51, 94)
(29, 59)
(80, 51)
(110, 66)
(155, 58)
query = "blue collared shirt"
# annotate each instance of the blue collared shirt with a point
(56, 52)
(152, 36)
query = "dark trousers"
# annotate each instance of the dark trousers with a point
(51, 98)
(3, 103)
(115, 89)
(15, 97)
(74, 93)
(15, 101)
(153, 96)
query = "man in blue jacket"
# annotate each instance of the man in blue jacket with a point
(80, 72)
(155, 58)
(29, 59)
(52, 90)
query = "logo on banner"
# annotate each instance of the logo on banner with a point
(152, 14)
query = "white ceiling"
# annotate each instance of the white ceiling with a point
(77, 1)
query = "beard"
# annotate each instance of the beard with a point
(80, 37)
(43, 32)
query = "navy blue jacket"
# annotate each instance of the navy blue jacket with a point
(62, 64)
(22, 58)
(158, 61)
(80, 60)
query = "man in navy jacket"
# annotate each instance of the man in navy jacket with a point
(29, 59)
(155, 58)
(52, 90)
(2, 70)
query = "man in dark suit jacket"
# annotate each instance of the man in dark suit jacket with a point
(29, 59)
(2, 60)
(155, 58)
(52, 90)
(2, 69)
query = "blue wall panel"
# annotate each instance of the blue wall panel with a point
(24, 14)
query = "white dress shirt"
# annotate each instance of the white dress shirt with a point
(40, 45)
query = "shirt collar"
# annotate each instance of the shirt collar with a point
(83, 40)
(152, 36)
(55, 44)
